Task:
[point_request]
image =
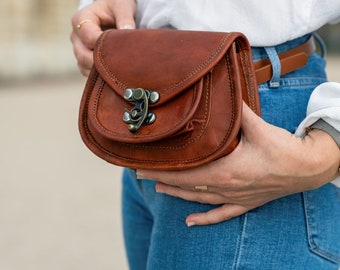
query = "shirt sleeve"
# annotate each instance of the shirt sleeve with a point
(84, 3)
(324, 103)
(264, 22)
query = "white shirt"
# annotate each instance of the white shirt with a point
(264, 22)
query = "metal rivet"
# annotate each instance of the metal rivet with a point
(151, 118)
(126, 117)
(128, 93)
(154, 97)
(138, 94)
(132, 128)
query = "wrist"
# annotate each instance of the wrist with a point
(323, 125)
(324, 155)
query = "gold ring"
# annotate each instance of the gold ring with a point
(82, 22)
(201, 188)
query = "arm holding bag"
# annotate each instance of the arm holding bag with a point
(166, 99)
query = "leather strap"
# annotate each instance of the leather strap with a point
(291, 60)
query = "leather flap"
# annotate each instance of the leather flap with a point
(142, 59)
(170, 62)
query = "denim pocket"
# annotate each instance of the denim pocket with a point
(322, 210)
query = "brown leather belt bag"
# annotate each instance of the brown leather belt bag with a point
(167, 99)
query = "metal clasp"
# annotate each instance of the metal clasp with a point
(139, 115)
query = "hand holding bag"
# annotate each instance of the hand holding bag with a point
(167, 99)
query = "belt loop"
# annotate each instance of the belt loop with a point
(276, 66)
(322, 44)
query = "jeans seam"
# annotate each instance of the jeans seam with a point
(315, 248)
(240, 239)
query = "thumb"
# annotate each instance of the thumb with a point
(124, 12)
(250, 120)
(216, 215)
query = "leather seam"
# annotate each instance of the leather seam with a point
(178, 161)
(95, 108)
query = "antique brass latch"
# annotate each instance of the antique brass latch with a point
(139, 115)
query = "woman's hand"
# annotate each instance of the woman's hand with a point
(268, 163)
(89, 22)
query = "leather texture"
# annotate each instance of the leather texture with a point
(202, 79)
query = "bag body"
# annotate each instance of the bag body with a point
(166, 99)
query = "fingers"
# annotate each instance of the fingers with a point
(252, 124)
(222, 171)
(83, 55)
(124, 12)
(83, 37)
(222, 213)
(89, 22)
(87, 26)
(179, 178)
(207, 197)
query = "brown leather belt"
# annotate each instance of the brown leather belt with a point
(291, 60)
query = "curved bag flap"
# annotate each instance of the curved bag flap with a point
(142, 59)
(166, 99)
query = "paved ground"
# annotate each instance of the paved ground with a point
(59, 204)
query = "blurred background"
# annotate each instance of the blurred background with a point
(59, 204)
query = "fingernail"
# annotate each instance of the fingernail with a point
(159, 189)
(191, 223)
(127, 26)
(139, 175)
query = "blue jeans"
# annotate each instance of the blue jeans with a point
(300, 231)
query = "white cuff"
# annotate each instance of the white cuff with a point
(84, 3)
(324, 103)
